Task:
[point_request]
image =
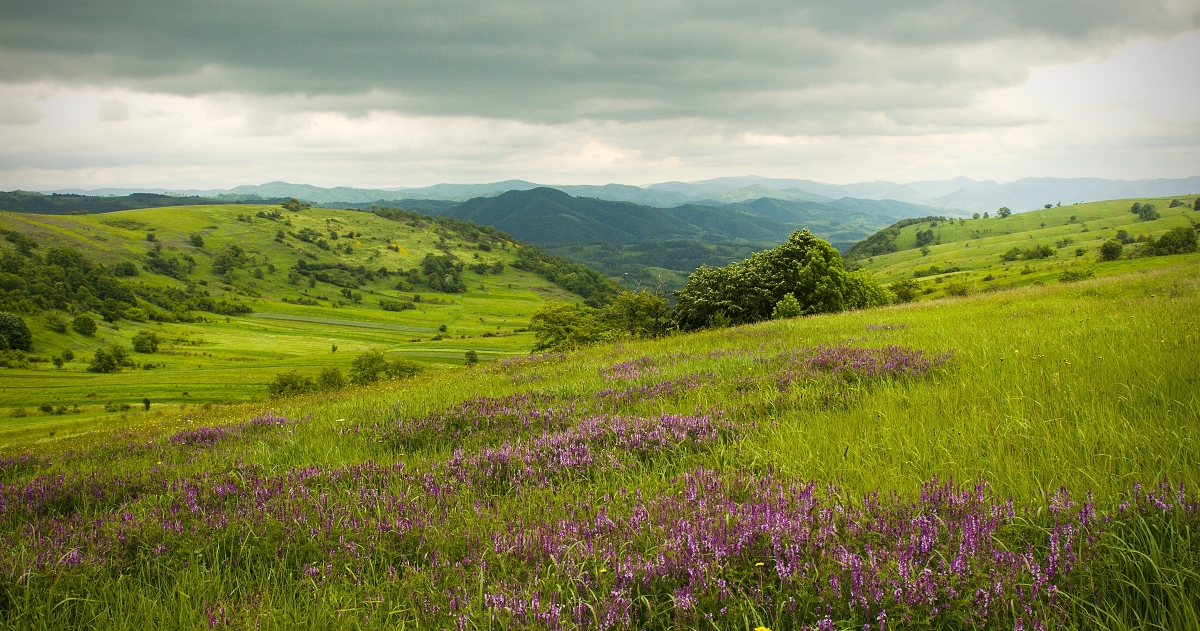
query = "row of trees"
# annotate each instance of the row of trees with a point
(367, 368)
(803, 276)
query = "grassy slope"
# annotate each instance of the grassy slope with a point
(975, 245)
(1091, 386)
(224, 361)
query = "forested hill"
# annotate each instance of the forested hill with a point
(549, 217)
(67, 204)
(546, 216)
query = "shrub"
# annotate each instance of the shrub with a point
(396, 305)
(15, 332)
(103, 362)
(1111, 250)
(1136, 208)
(288, 384)
(331, 379)
(1072, 275)
(145, 342)
(196, 240)
(904, 290)
(471, 357)
(367, 367)
(1148, 213)
(13, 359)
(563, 326)
(1175, 203)
(125, 268)
(957, 288)
(84, 324)
(403, 369)
(1176, 241)
(789, 307)
(1004, 211)
(56, 323)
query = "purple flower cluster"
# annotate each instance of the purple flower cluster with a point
(889, 361)
(665, 389)
(473, 417)
(577, 449)
(629, 370)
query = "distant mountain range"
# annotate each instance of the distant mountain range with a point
(956, 196)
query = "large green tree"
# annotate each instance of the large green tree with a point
(806, 267)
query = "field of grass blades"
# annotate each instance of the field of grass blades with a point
(1025, 459)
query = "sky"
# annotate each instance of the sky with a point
(189, 94)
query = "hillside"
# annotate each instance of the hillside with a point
(697, 481)
(270, 291)
(650, 246)
(972, 253)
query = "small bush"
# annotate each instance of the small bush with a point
(904, 290)
(289, 384)
(471, 357)
(396, 305)
(331, 378)
(1111, 250)
(56, 323)
(145, 342)
(13, 359)
(788, 307)
(1148, 213)
(84, 324)
(957, 288)
(15, 332)
(1073, 275)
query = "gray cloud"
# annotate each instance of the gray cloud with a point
(19, 114)
(113, 111)
(798, 67)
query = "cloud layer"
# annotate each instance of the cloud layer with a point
(578, 90)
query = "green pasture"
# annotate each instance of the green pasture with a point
(1076, 232)
(225, 360)
(1090, 386)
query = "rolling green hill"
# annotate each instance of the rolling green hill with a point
(660, 246)
(972, 253)
(305, 290)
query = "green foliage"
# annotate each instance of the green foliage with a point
(196, 240)
(1148, 212)
(443, 273)
(1076, 274)
(1136, 208)
(594, 287)
(125, 268)
(904, 290)
(290, 384)
(788, 307)
(396, 305)
(884, 241)
(471, 357)
(1111, 250)
(805, 266)
(640, 314)
(559, 326)
(84, 324)
(368, 367)
(15, 332)
(295, 205)
(110, 359)
(331, 378)
(1028, 254)
(145, 342)
(1005, 212)
(957, 288)
(1179, 240)
(230, 258)
(12, 358)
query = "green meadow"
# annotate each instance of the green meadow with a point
(223, 359)
(973, 247)
(404, 514)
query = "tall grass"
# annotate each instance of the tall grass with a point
(719, 480)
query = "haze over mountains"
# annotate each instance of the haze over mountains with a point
(961, 194)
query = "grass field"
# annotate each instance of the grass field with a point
(227, 360)
(825, 472)
(1076, 232)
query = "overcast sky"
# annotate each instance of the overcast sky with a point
(216, 93)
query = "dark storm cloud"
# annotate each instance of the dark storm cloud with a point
(761, 63)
